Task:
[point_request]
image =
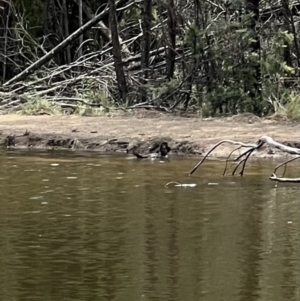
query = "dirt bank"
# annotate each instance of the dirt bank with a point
(113, 133)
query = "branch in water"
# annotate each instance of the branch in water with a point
(286, 180)
(241, 144)
(242, 159)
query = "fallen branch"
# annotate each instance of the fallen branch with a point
(252, 146)
(242, 159)
(47, 57)
(104, 30)
(282, 179)
(282, 147)
(286, 180)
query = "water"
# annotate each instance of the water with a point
(76, 227)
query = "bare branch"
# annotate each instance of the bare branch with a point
(43, 60)
(254, 146)
(242, 159)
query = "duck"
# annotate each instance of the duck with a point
(162, 152)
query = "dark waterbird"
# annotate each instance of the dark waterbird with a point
(161, 153)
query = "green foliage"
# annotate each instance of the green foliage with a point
(273, 63)
(163, 89)
(38, 106)
(293, 106)
(33, 13)
(216, 67)
(84, 110)
(95, 91)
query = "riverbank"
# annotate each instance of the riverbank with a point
(114, 132)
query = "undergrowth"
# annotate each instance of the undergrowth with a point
(40, 106)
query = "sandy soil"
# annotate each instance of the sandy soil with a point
(185, 134)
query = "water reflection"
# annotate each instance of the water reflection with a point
(102, 228)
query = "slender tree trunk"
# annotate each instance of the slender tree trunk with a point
(117, 53)
(66, 25)
(104, 30)
(48, 56)
(146, 39)
(80, 24)
(195, 64)
(256, 89)
(172, 39)
(6, 24)
(290, 27)
(206, 55)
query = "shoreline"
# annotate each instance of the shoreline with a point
(109, 133)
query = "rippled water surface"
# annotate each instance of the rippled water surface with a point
(78, 227)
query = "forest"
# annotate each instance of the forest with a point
(214, 57)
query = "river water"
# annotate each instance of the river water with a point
(90, 227)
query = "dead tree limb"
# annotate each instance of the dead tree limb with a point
(47, 57)
(242, 159)
(282, 147)
(274, 177)
(225, 169)
(104, 30)
(285, 165)
(252, 146)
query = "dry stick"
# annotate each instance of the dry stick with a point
(259, 145)
(283, 174)
(132, 58)
(104, 30)
(102, 52)
(225, 169)
(10, 104)
(215, 146)
(284, 163)
(57, 71)
(285, 166)
(247, 153)
(284, 148)
(29, 84)
(43, 60)
(57, 99)
(237, 166)
(244, 162)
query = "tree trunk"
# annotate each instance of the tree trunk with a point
(104, 30)
(117, 53)
(172, 39)
(5, 25)
(256, 88)
(47, 57)
(80, 24)
(146, 39)
(289, 25)
(66, 26)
